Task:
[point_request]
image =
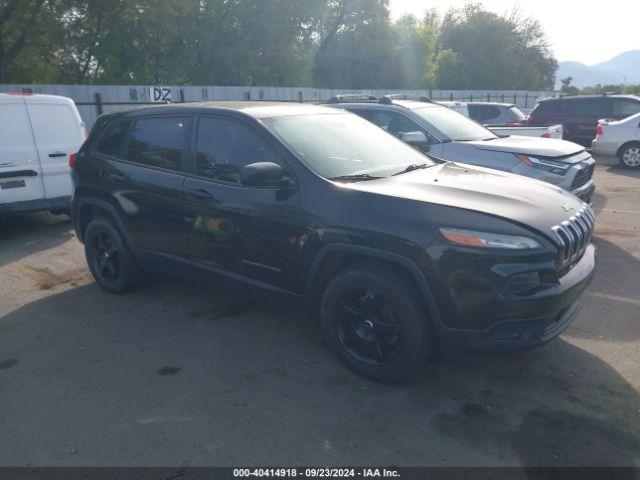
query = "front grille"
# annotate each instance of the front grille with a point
(574, 235)
(582, 176)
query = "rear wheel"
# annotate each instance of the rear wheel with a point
(629, 155)
(375, 321)
(108, 257)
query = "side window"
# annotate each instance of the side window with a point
(625, 108)
(158, 142)
(592, 107)
(397, 124)
(553, 107)
(481, 113)
(112, 137)
(224, 146)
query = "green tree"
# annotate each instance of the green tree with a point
(415, 50)
(502, 52)
(451, 71)
(567, 88)
(25, 25)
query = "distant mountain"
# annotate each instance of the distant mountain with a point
(623, 68)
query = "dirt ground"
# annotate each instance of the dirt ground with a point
(182, 374)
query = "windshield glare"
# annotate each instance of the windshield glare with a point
(454, 125)
(339, 144)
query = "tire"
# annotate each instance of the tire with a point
(375, 321)
(109, 259)
(629, 155)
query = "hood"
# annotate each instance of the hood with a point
(536, 147)
(532, 203)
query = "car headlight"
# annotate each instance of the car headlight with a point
(551, 166)
(473, 238)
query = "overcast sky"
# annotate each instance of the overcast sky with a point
(588, 31)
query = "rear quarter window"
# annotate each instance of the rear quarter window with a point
(110, 141)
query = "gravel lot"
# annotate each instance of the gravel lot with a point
(178, 374)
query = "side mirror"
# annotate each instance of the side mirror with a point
(414, 137)
(262, 174)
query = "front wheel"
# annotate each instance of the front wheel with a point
(375, 321)
(108, 257)
(629, 155)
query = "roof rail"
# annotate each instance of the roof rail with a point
(404, 96)
(352, 97)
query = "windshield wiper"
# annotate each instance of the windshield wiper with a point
(412, 167)
(358, 177)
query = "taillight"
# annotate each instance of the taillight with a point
(72, 159)
(513, 124)
(85, 132)
(599, 130)
(546, 135)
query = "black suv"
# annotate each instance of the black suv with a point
(579, 115)
(393, 251)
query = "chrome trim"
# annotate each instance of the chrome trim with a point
(574, 235)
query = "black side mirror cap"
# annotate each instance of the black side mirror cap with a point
(263, 174)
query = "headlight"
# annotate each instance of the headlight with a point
(472, 238)
(552, 166)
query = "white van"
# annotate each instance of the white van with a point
(39, 136)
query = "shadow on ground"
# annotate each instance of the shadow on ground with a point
(180, 375)
(24, 235)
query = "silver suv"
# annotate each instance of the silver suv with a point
(447, 135)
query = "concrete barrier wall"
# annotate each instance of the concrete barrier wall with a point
(93, 100)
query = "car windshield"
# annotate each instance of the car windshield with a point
(344, 145)
(454, 125)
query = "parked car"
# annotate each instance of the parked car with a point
(39, 135)
(492, 114)
(393, 251)
(516, 128)
(447, 135)
(579, 115)
(619, 138)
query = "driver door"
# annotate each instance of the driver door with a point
(236, 230)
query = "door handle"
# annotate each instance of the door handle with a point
(57, 154)
(117, 177)
(199, 193)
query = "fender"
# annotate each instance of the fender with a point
(404, 262)
(103, 204)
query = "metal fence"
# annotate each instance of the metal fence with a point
(94, 100)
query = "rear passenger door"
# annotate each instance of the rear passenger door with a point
(244, 231)
(145, 179)
(58, 132)
(20, 172)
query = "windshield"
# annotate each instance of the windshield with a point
(343, 144)
(454, 125)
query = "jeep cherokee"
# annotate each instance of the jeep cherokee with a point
(391, 250)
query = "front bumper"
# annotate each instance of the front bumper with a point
(537, 318)
(585, 192)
